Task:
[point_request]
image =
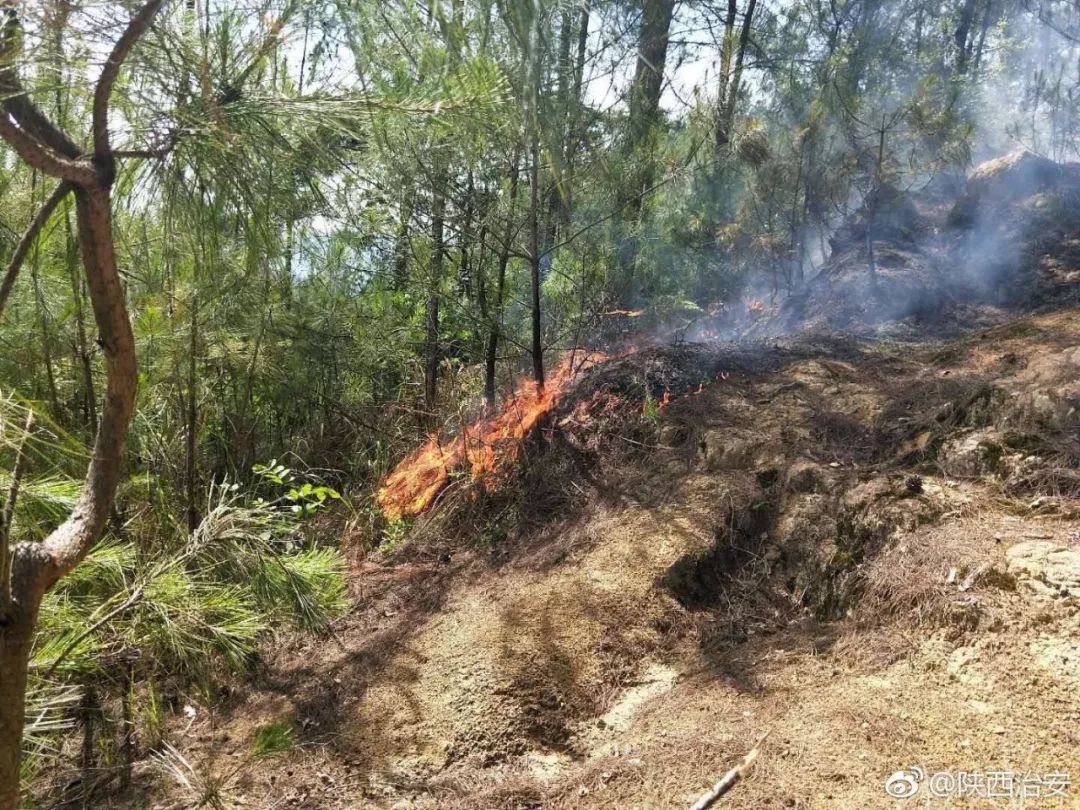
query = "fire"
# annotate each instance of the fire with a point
(625, 313)
(485, 450)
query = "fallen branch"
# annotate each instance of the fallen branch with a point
(135, 596)
(730, 778)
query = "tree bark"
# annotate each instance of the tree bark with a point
(645, 92)
(36, 567)
(727, 50)
(495, 328)
(734, 84)
(648, 83)
(534, 262)
(190, 467)
(431, 319)
(16, 640)
(961, 35)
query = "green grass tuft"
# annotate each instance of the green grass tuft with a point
(273, 740)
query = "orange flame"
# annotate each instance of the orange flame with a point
(486, 448)
(626, 313)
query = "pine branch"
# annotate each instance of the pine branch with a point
(135, 596)
(61, 191)
(45, 159)
(14, 99)
(109, 74)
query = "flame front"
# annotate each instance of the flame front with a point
(485, 449)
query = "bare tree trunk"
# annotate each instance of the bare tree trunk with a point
(735, 84)
(190, 444)
(871, 210)
(961, 35)
(988, 19)
(727, 50)
(401, 240)
(431, 320)
(36, 567)
(46, 337)
(534, 261)
(82, 345)
(645, 92)
(16, 639)
(495, 319)
(573, 129)
(649, 74)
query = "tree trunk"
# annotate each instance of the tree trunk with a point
(534, 262)
(649, 74)
(36, 567)
(988, 18)
(727, 50)
(645, 95)
(492, 350)
(16, 641)
(961, 35)
(734, 85)
(190, 445)
(573, 128)
(431, 320)
(46, 338)
(401, 240)
(82, 345)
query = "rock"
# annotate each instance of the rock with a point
(973, 455)
(1045, 569)
(1047, 392)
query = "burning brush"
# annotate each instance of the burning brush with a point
(486, 449)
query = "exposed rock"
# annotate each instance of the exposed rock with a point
(1045, 569)
(1047, 392)
(974, 454)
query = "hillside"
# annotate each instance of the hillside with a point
(633, 404)
(867, 549)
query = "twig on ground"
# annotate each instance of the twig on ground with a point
(730, 778)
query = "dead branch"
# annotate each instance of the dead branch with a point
(23, 248)
(130, 602)
(730, 778)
